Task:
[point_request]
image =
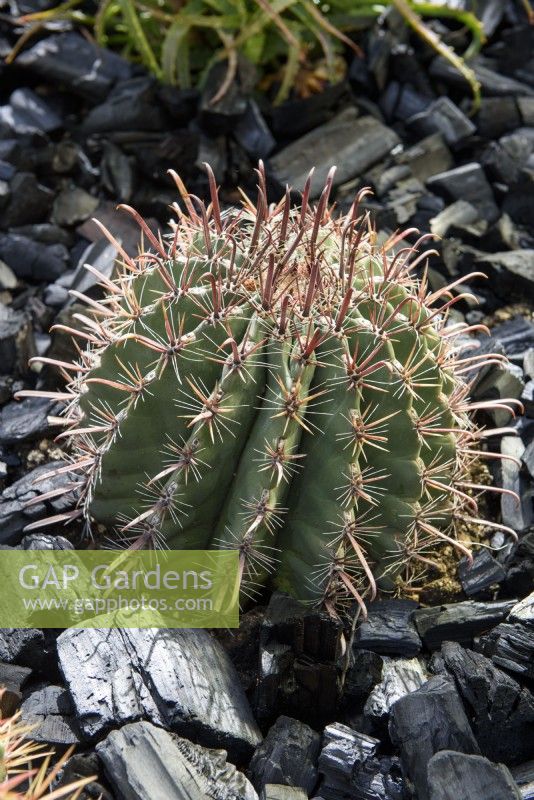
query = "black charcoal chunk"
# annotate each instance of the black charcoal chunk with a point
(73, 205)
(29, 201)
(31, 260)
(444, 117)
(351, 142)
(511, 647)
(253, 134)
(180, 679)
(400, 676)
(25, 420)
(500, 710)
(481, 574)
(454, 775)
(467, 182)
(143, 761)
(459, 622)
(427, 721)
(389, 629)
(27, 114)
(49, 709)
(288, 755)
(71, 60)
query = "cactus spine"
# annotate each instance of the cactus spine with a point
(271, 379)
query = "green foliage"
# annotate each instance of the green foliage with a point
(179, 41)
(272, 380)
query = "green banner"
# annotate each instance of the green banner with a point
(119, 589)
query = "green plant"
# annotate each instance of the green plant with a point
(180, 40)
(20, 779)
(272, 379)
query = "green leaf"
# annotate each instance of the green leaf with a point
(175, 55)
(253, 47)
(138, 37)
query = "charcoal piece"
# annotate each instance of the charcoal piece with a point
(497, 116)
(29, 201)
(511, 272)
(288, 755)
(297, 116)
(21, 421)
(44, 232)
(273, 791)
(299, 652)
(459, 212)
(5, 194)
(402, 101)
(180, 104)
(181, 679)
(515, 336)
(344, 749)
(351, 768)
(178, 150)
(500, 710)
(73, 205)
(71, 60)
(8, 279)
(458, 622)
(364, 672)
(220, 111)
(143, 761)
(67, 155)
(49, 709)
(453, 775)
(12, 680)
(117, 170)
(389, 629)
(528, 362)
(491, 13)
(492, 83)
(427, 721)
(528, 458)
(523, 775)
(308, 632)
(481, 574)
(523, 611)
(399, 677)
(253, 134)
(498, 382)
(44, 541)
(516, 515)
(467, 182)
(7, 171)
(353, 143)
(23, 647)
(527, 398)
(17, 343)
(27, 114)
(499, 165)
(132, 105)
(526, 109)
(31, 260)
(510, 647)
(444, 117)
(14, 511)
(84, 765)
(518, 202)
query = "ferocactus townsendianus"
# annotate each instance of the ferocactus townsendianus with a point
(273, 379)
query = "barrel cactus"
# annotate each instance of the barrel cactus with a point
(273, 379)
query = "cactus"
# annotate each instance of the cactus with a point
(272, 379)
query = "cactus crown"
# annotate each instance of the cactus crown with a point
(272, 379)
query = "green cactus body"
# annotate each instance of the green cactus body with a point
(270, 379)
